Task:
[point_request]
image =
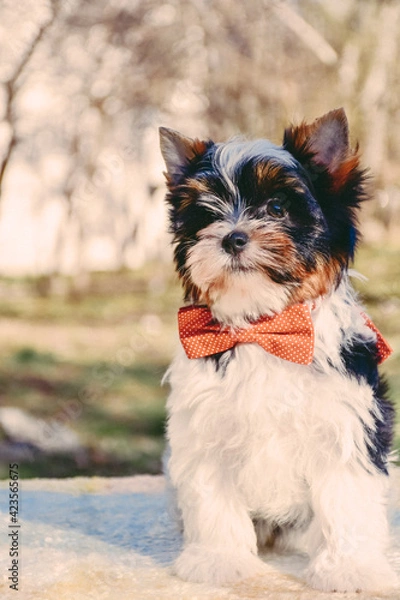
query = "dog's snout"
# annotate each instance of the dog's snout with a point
(235, 242)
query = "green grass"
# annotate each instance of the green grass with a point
(118, 411)
(93, 362)
(94, 359)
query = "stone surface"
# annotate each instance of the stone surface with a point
(112, 539)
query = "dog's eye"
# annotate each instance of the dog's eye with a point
(276, 208)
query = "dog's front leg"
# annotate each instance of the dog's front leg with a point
(350, 532)
(219, 538)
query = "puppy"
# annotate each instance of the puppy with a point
(279, 427)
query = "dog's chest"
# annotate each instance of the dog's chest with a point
(273, 424)
(263, 407)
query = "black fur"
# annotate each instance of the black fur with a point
(221, 360)
(340, 207)
(360, 359)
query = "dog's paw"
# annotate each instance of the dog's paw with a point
(349, 575)
(202, 564)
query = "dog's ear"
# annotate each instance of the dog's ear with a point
(179, 152)
(323, 149)
(325, 142)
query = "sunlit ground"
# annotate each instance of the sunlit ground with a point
(91, 364)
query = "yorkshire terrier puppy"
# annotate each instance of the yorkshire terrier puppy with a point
(279, 427)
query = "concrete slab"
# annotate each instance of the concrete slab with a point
(112, 539)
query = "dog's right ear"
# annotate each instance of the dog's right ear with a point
(324, 142)
(179, 152)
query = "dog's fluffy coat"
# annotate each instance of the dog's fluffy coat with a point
(262, 450)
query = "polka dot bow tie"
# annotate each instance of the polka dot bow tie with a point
(288, 335)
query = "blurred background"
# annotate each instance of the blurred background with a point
(88, 296)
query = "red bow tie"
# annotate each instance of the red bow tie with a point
(288, 335)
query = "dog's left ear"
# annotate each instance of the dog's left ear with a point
(325, 142)
(179, 152)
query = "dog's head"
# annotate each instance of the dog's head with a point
(258, 227)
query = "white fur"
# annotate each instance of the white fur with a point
(277, 441)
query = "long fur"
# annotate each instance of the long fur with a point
(262, 450)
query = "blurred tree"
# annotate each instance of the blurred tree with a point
(12, 73)
(87, 82)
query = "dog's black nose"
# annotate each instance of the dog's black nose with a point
(235, 242)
